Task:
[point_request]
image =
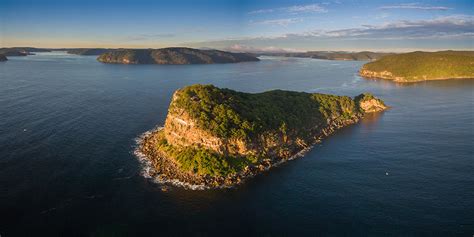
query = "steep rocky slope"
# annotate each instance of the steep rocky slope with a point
(219, 137)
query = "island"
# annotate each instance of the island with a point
(334, 55)
(218, 138)
(3, 58)
(173, 56)
(422, 66)
(88, 51)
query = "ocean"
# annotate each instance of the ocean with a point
(68, 130)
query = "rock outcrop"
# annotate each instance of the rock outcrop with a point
(3, 58)
(173, 56)
(218, 137)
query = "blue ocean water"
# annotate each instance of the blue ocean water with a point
(68, 126)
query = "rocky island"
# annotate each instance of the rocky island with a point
(173, 56)
(3, 58)
(422, 66)
(216, 138)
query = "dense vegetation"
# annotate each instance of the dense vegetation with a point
(87, 51)
(173, 56)
(358, 56)
(227, 113)
(417, 66)
(270, 126)
(203, 161)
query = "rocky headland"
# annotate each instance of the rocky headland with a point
(422, 66)
(3, 58)
(173, 56)
(217, 138)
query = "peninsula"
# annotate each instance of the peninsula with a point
(215, 138)
(422, 66)
(173, 56)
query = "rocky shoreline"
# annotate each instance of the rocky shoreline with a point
(164, 170)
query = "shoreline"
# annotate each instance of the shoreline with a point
(150, 171)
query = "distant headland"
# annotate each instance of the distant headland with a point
(215, 138)
(333, 55)
(422, 66)
(87, 51)
(21, 51)
(173, 56)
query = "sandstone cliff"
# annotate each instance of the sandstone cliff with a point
(219, 137)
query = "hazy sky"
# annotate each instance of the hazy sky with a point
(240, 25)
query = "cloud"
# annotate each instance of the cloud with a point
(446, 29)
(246, 48)
(450, 26)
(261, 11)
(306, 8)
(143, 37)
(415, 6)
(280, 22)
(296, 9)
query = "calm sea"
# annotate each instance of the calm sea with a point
(67, 133)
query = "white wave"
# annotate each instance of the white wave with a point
(147, 169)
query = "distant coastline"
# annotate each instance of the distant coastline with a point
(332, 55)
(175, 56)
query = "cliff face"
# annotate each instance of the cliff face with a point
(421, 66)
(173, 56)
(217, 137)
(3, 58)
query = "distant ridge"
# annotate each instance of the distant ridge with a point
(173, 56)
(333, 55)
(422, 66)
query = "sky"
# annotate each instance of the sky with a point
(245, 25)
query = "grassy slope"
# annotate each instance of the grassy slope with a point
(426, 65)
